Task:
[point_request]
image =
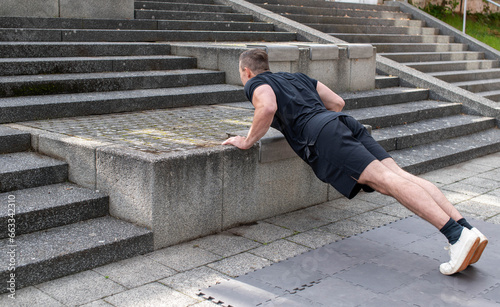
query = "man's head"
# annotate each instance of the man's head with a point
(252, 63)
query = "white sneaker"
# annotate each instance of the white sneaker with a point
(483, 241)
(460, 253)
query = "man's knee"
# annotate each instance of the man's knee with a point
(378, 177)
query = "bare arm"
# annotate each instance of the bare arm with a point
(264, 101)
(332, 101)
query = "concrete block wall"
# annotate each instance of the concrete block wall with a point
(182, 196)
(110, 9)
(343, 68)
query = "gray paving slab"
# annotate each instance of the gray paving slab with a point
(239, 264)
(262, 232)
(314, 238)
(279, 250)
(191, 282)
(26, 297)
(183, 257)
(225, 244)
(153, 294)
(80, 288)
(395, 264)
(134, 272)
(346, 228)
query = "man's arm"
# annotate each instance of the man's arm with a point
(332, 101)
(264, 101)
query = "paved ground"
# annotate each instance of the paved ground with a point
(174, 276)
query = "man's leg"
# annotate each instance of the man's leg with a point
(430, 188)
(411, 195)
(442, 201)
(463, 242)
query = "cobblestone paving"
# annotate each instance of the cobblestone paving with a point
(158, 130)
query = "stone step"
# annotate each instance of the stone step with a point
(14, 109)
(318, 19)
(186, 7)
(372, 29)
(80, 49)
(181, 15)
(124, 24)
(429, 157)
(429, 131)
(12, 140)
(346, 12)
(381, 97)
(386, 81)
(406, 47)
(36, 66)
(329, 4)
(84, 35)
(452, 65)
(16, 86)
(493, 95)
(214, 25)
(76, 23)
(50, 254)
(190, 1)
(23, 170)
(392, 38)
(51, 206)
(467, 75)
(477, 86)
(434, 56)
(404, 113)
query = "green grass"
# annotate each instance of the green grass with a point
(485, 28)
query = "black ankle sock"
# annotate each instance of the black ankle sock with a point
(452, 231)
(464, 223)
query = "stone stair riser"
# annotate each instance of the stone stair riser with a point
(53, 216)
(166, 6)
(33, 177)
(328, 4)
(411, 116)
(66, 23)
(460, 76)
(175, 15)
(416, 139)
(371, 101)
(373, 29)
(40, 87)
(374, 38)
(451, 66)
(17, 112)
(139, 36)
(483, 86)
(334, 12)
(70, 258)
(442, 162)
(310, 19)
(397, 47)
(40, 50)
(430, 57)
(89, 65)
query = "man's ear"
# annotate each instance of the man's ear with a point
(248, 73)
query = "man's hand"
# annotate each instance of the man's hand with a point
(238, 141)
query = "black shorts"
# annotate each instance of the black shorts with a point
(342, 151)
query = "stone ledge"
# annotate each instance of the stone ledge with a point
(342, 68)
(110, 9)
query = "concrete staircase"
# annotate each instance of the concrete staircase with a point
(399, 38)
(421, 134)
(51, 227)
(112, 65)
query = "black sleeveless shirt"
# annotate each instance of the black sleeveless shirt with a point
(301, 114)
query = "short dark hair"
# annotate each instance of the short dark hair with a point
(255, 59)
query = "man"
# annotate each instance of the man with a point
(342, 153)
